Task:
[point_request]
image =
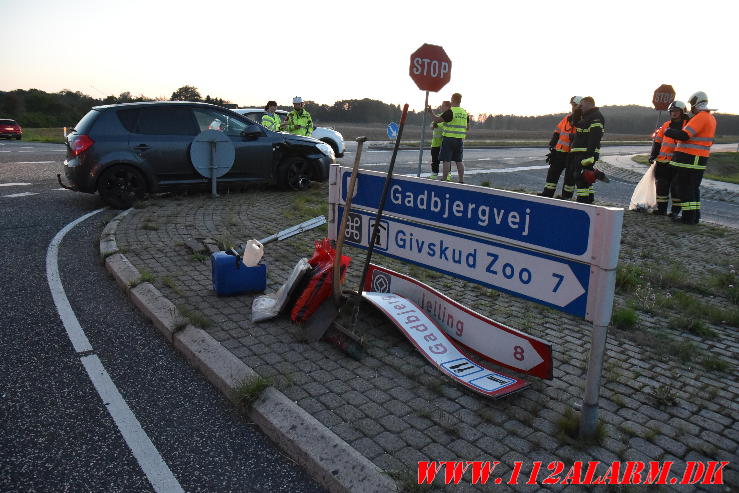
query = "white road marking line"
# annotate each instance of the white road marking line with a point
(24, 194)
(146, 454)
(33, 162)
(62, 189)
(13, 184)
(144, 451)
(4, 151)
(26, 147)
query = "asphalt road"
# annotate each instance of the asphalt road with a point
(56, 432)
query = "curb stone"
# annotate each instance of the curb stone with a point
(326, 457)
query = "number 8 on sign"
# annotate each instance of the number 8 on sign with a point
(518, 353)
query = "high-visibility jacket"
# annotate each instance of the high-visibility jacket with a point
(457, 127)
(666, 144)
(436, 135)
(271, 122)
(588, 132)
(701, 130)
(295, 120)
(563, 132)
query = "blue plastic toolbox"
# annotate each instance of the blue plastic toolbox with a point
(230, 275)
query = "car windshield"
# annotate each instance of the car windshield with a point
(215, 120)
(7, 122)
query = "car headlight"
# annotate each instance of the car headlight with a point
(326, 149)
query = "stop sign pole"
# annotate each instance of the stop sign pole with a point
(430, 69)
(663, 96)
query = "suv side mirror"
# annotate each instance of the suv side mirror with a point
(252, 132)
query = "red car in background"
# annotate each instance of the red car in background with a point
(10, 129)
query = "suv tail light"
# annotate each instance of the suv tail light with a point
(81, 144)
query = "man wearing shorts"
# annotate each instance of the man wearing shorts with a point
(456, 123)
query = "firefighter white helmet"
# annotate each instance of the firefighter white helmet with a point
(698, 98)
(575, 99)
(677, 105)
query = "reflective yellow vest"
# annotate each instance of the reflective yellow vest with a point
(271, 122)
(303, 120)
(456, 128)
(436, 136)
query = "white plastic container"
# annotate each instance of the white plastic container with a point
(253, 253)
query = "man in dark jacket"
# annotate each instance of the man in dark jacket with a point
(586, 150)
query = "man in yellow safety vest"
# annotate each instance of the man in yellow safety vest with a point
(456, 123)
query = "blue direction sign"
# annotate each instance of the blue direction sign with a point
(392, 130)
(553, 281)
(558, 227)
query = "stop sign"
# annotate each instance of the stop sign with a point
(663, 96)
(431, 68)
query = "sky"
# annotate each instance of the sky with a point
(517, 57)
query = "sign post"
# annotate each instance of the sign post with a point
(430, 69)
(504, 240)
(663, 96)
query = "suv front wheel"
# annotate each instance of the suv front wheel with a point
(295, 173)
(121, 186)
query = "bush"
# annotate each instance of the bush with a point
(624, 318)
(628, 277)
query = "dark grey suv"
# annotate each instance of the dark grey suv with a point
(123, 151)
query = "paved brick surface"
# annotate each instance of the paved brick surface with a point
(396, 409)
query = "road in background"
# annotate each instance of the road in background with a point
(524, 169)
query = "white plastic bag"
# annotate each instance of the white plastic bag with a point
(270, 305)
(644, 197)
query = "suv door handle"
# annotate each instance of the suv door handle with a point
(142, 147)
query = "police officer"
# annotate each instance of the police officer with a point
(438, 128)
(663, 149)
(585, 150)
(271, 120)
(559, 148)
(299, 121)
(693, 148)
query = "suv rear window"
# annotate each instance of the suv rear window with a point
(165, 121)
(84, 125)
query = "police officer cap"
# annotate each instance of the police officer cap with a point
(297, 100)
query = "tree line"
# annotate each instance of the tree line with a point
(36, 108)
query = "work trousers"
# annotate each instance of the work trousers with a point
(585, 192)
(435, 160)
(664, 174)
(557, 164)
(689, 176)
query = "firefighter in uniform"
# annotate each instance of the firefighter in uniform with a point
(585, 150)
(438, 128)
(559, 148)
(663, 148)
(271, 120)
(691, 154)
(298, 121)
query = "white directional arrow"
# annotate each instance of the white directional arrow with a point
(536, 276)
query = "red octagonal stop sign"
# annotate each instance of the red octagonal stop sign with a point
(431, 68)
(663, 96)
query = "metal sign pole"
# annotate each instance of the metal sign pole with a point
(213, 169)
(659, 119)
(423, 134)
(589, 416)
(601, 317)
